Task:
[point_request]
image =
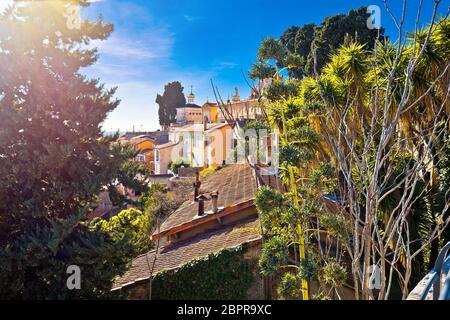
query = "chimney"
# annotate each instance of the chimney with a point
(201, 204)
(214, 198)
(197, 185)
(205, 123)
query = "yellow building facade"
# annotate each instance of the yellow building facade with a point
(146, 147)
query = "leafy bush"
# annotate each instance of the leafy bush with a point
(333, 274)
(281, 90)
(274, 254)
(177, 164)
(289, 287)
(129, 224)
(207, 171)
(222, 275)
(267, 198)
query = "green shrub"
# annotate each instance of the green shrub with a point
(223, 275)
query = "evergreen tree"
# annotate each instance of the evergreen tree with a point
(54, 159)
(301, 44)
(298, 40)
(172, 98)
(337, 29)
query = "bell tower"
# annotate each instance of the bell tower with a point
(191, 97)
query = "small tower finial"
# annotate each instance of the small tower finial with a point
(191, 97)
(236, 96)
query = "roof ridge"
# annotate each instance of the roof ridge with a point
(235, 182)
(211, 231)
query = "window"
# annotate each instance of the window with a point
(157, 155)
(141, 157)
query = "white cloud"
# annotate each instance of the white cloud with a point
(148, 45)
(112, 70)
(124, 48)
(190, 18)
(138, 106)
(225, 65)
(137, 58)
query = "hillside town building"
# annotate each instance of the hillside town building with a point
(200, 227)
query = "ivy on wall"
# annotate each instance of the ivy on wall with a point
(221, 275)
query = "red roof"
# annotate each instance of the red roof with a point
(96, 214)
(236, 185)
(174, 255)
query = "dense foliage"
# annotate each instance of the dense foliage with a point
(281, 222)
(169, 101)
(364, 154)
(304, 50)
(132, 225)
(54, 159)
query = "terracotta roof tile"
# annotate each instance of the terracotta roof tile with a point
(176, 254)
(165, 145)
(235, 184)
(199, 127)
(96, 214)
(189, 105)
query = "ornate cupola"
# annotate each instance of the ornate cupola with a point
(191, 97)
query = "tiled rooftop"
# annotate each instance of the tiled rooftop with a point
(165, 145)
(235, 184)
(193, 127)
(159, 137)
(96, 214)
(176, 254)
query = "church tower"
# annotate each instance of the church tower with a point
(191, 97)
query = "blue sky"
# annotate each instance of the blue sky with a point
(157, 41)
